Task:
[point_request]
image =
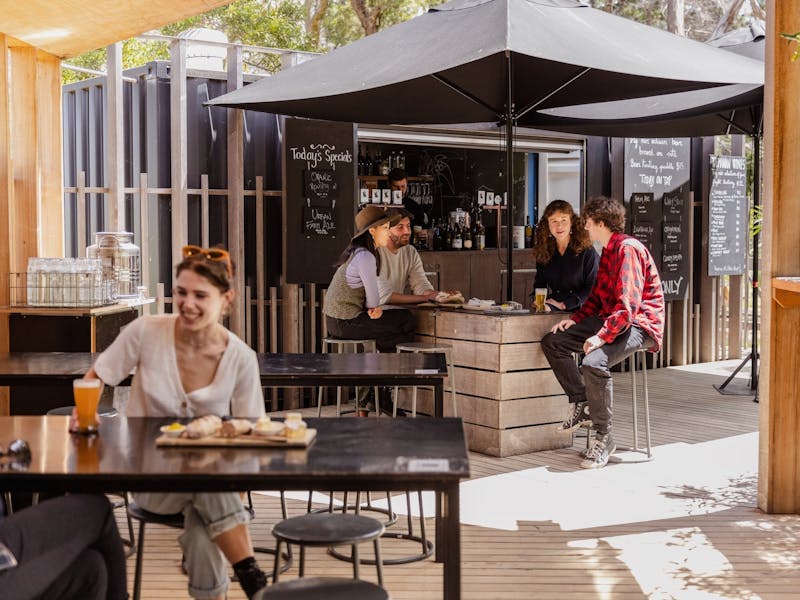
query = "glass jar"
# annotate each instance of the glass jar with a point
(120, 258)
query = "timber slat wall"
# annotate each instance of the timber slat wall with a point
(543, 560)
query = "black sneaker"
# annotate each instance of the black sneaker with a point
(601, 448)
(578, 416)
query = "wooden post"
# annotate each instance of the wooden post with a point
(115, 156)
(261, 249)
(236, 187)
(290, 317)
(178, 154)
(6, 198)
(779, 409)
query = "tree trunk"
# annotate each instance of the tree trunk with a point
(758, 10)
(315, 12)
(370, 21)
(675, 17)
(727, 18)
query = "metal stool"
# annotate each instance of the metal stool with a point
(323, 588)
(428, 348)
(647, 449)
(144, 517)
(391, 516)
(341, 347)
(106, 411)
(325, 530)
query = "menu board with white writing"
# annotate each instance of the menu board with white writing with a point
(657, 199)
(319, 197)
(727, 216)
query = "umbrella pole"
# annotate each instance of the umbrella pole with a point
(509, 118)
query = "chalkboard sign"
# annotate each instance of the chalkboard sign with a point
(320, 185)
(727, 216)
(657, 196)
(319, 197)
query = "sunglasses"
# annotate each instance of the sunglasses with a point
(213, 254)
(16, 457)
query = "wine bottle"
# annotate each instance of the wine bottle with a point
(528, 232)
(481, 236)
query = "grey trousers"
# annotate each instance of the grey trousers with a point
(592, 382)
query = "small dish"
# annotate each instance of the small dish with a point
(173, 430)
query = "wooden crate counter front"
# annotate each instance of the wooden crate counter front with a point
(506, 392)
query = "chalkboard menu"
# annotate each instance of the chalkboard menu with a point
(727, 216)
(657, 200)
(319, 197)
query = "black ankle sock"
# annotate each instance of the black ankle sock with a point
(250, 577)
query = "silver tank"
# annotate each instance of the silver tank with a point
(121, 261)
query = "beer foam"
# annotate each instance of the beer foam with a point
(85, 383)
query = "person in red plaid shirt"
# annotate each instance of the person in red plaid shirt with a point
(623, 313)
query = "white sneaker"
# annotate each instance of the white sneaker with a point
(601, 448)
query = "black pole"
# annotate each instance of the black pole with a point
(756, 204)
(509, 118)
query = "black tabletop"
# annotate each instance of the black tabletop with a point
(349, 453)
(22, 367)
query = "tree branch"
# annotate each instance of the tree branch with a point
(727, 18)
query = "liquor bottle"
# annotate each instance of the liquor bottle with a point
(528, 232)
(448, 236)
(392, 160)
(458, 241)
(383, 166)
(481, 236)
(467, 238)
(401, 160)
(367, 167)
(437, 236)
(360, 162)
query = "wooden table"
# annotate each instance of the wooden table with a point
(427, 454)
(277, 370)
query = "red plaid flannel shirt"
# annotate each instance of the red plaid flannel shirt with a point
(627, 292)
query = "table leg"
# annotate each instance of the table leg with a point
(452, 546)
(441, 542)
(439, 398)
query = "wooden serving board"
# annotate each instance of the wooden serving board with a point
(242, 441)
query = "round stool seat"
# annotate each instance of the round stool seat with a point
(328, 529)
(323, 588)
(66, 411)
(137, 512)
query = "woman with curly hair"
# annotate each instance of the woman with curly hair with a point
(566, 263)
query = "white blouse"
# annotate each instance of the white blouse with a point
(148, 344)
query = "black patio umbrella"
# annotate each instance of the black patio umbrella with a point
(715, 111)
(476, 61)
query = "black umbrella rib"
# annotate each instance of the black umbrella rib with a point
(536, 103)
(467, 94)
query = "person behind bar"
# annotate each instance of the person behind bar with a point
(401, 267)
(188, 365)
(67, 548)
(398, 180)
(352, 304)
(623, 313)
(566, 263)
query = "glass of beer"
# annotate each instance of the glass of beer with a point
(540, 295)
(86, 393)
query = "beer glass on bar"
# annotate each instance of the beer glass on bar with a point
(540, 295)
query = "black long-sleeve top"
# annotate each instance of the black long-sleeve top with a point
(569, 277)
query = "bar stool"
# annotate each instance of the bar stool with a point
(342, 346)
(641, 354)
(323, 588)
(428, 348)
(326, 530)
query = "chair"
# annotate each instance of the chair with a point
(342, 346)
(176, 521)
(326, 530)
(647, 449)
(428, 348)
(323, 588)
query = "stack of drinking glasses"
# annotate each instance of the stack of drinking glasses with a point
(65, 282)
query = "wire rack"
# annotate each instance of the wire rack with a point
(60, 289)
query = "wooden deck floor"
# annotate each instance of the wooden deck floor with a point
(684, 525)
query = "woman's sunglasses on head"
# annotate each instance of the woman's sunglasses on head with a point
(213, 254)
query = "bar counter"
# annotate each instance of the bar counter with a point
(506, 392)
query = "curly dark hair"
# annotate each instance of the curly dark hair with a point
(602, 209)
(545, 244)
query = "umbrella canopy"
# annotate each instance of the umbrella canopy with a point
(475, 61)
(450, 66)
(715, 111)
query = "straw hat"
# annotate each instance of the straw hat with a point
(368, 217)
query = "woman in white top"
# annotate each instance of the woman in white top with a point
(188, 365)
